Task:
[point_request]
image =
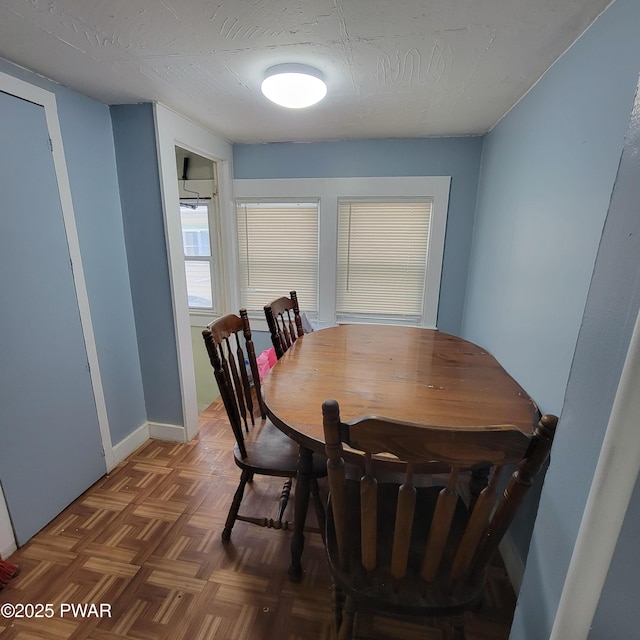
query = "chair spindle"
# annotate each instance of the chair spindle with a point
(440, 527)
(477, 525)
(369, 515)
(404, 522)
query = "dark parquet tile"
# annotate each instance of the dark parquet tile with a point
(145, 540)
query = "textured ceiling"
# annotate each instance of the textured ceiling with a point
(395, 68)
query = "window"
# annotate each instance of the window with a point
(278, 252)
(377, 242)
(382, 259)
(200, 261)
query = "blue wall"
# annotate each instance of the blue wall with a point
(547, 174)
(612, 306)
(617, 290)
(610, 315)
(89, 150)
(140, 195)
(455, 157)
(545, 182)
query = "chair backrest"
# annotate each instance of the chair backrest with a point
(447, 546)
(230, 347)
(285, 323)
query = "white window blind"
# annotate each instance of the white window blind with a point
(278, 252)
(382, 259)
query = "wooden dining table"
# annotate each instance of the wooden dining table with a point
(411, 374)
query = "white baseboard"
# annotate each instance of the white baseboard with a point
(155, 430)
(512, 562)
(128, 445)
(7, 539)
(171, 432)
(7, 550)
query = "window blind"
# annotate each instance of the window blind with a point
(382, 259)
(278, 252)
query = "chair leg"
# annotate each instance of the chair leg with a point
(337, 603)
(319, 507)
(458, 627)
(364, 624)
(245, 476)
(348, 613)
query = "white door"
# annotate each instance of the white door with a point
(50, 442)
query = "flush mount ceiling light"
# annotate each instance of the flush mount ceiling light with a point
(294, 85)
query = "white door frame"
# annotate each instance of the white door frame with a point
(173, 130)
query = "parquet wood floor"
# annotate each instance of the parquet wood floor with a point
(145, 540)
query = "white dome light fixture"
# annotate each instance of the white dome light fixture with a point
(294, 85)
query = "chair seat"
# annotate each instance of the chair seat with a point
(410, 595)
(270, 452)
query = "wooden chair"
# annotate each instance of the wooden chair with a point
(260, 448)
(285, 323)
(404, 550)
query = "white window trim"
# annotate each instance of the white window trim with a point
(329, 190)
(198, 315)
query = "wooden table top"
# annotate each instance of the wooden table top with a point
(406, 373)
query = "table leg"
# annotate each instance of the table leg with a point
(301, 504)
